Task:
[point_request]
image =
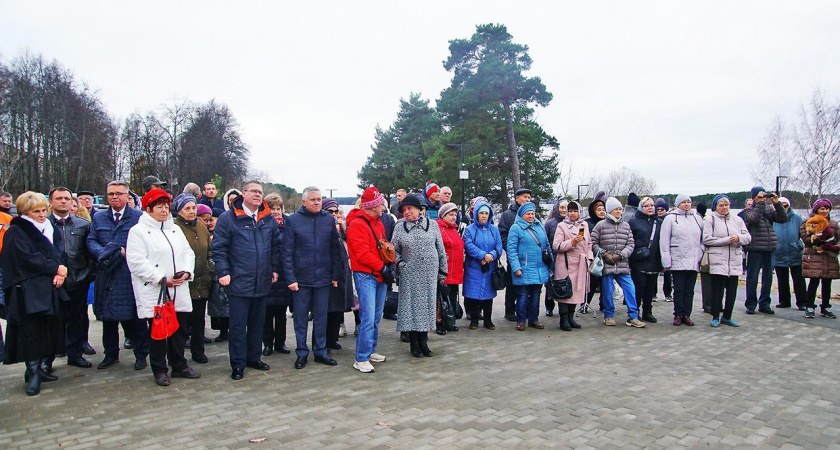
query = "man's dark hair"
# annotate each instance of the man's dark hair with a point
(5, 194)
(56, 189)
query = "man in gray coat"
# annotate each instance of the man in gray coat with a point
(760, 218)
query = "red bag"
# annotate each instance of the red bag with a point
(164, 323)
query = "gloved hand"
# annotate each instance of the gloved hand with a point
(612, 258)
(389, 273)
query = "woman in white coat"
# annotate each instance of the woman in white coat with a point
(157, 250)
(724, 234)
(681, 248)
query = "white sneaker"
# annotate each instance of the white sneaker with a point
(363, 366)
(342, 331)
(376, 357)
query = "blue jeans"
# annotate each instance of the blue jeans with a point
(528, 302)
(759, 262)
(314, 300)
(371, 303)
(247, 318)
(626, 284)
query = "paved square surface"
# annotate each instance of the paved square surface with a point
(773, 383)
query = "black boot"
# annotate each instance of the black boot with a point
(487, 306)
(563, 310)
(439, 329)
(46, 369)
(414, 342)
(33, 374)
(571, 310)
(474, 314)
(423, 341)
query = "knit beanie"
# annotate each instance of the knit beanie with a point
(484, 207)
(430, 189)
(446, 209)
(611, 204)
(527, 206)
(328, 203)
(181, 201)
(755, 190)
(371, 198)
(661, 203)
(784, 200)
(681, 198)
(718, 198)
(820, 203)
(633, 200)
(201, 208)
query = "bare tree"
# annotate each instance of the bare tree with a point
(816, 144)
(621, 182)
(775, 155)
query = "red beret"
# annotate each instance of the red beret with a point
(154, 196)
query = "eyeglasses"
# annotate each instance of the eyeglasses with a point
(116, 194)
(254, 191)
(332, 211)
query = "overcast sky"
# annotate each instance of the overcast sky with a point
(680, 91)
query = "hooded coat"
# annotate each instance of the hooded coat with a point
(647, 230)
(578, 257)
(725, 258)
(479, 240)
(156, 250)
(613, 235)
(525, 244)
(556, 218)
(681, 241)
(789, 246)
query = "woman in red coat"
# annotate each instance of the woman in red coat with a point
(454, 246)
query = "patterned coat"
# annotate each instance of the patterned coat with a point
(421, 259)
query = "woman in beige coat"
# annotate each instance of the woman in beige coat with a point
(724, 234)
(572, 240)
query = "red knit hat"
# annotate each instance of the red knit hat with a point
(430, 189)
(154, 196)
(372, 198)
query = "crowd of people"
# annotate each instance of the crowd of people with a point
(246, 262)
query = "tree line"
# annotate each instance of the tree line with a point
(54, 130)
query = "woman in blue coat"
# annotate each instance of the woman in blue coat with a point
(526, 241)
(482, 246)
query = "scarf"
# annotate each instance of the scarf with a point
(45, 228)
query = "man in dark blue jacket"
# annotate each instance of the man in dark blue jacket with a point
(208, 196)
(246, 251)
(311, 264)
(114, 297)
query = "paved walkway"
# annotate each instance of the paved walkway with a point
(773, 383)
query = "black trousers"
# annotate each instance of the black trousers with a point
(667, 284)
(135, 329)
(171, 348)
(706, 290)
(645, 284)
(813, 284)
(510, 295)
(721, 284)
(684, 281)
(595, 287)
(76, 321)
(274, 329)
(196, 326)
(334, 321)
(799, 289)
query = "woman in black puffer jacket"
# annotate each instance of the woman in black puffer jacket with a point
(645, 263)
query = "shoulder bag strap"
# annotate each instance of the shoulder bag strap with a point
(533, 235)
(375, 237)
(652, 234)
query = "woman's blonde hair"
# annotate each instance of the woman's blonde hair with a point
(274, 200)
(30, 200)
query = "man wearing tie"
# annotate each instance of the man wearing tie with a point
(114, 300)
(246, 251)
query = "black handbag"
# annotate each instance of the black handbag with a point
(497, 278)
(560, 289)
(392, 302)
(447, 310)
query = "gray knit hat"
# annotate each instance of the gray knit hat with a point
(611, 204)
(681, 198)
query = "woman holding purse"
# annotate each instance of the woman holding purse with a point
(158, 252)
(527, 246)
(482, 246)
(573, 252)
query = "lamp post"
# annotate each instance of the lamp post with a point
(463, 174)
(778, 185)
(580, 186)
(331, 191)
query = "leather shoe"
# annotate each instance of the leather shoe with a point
(87, 349)
(334, 346)
(237, 374)
(687, 321)
(201, 359)
(207, 340)
(162, 379)
(80, 362)
(300, 362)
(108, 362)
(128, 344)
(188, 372)
(536, 325)
(326, 360)
(267, 351)
(140, 364)
(259, 365)
(283, 349)
(766, 311)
